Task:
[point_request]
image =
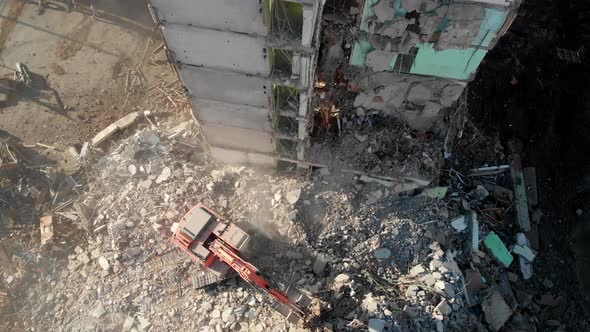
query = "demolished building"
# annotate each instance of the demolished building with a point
(250, 68)
(247, 67)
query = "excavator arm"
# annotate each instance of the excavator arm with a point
(291, 303)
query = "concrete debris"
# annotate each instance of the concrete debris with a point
(376, 325)
(122, 123)
(382, 253)
(104, 263)
(320, 264)
(144, 323)
(525, 255)
(368, 179)
(293, 196)
(164, 176)
(444, 308)
(98, 310)
(474, 283)
(46, 227)
(498, 249)
(520, 193)
(474, 233)
(480, 193)
(489, 170)
(359, 245)
(417, 270)
(524, 251)
(437, 192)
(459, 224)
(496, 311)
(342, 278)
(128, 323)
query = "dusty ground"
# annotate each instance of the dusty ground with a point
(80, 64)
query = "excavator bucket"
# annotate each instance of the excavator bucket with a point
(301, 301)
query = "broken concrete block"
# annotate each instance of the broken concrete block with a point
(320, 264)
(525, 255)
(128, 324)
(474, 233)
(380, 60)
(524, 252)
(382, 253)
(164, 175)
(293, 196)
(419, 94)
(84, 214)
(122, 123)
(436, 192)
(496, 311)
(446, 288)
(479, 193)
(376, 325)
(384, 11)
(98, 310)
(411, 311)
(520, 195)
(498, 249)
(46, 227)
(342, 278)
(503, 286)
(459, 224)
(474, 283)
(83, 257)
(416, 270)
(419, 5)
(444, 308)
(144, 324)
(104, 263)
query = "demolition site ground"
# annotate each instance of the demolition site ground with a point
(85, 229)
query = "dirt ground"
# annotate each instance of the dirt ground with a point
(79, 65)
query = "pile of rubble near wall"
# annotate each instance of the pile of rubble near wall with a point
(439, 259)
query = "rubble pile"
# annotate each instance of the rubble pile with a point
(381, 146)
(378, 258)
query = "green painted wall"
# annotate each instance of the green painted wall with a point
(450, 63)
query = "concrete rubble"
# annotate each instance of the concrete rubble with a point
(379, 260)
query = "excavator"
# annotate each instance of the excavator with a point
(216, 244)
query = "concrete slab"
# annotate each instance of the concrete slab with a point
(496, 311)
(217, 49)
(498, 249)
(234, 115)
(520, 195)
(229, 156)
(231, 87)
(238, 138)
(233, 15)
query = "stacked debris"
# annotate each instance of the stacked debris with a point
(381, 146)
(379, 255)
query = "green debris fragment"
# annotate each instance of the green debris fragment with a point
(498, 249)
(437, 192)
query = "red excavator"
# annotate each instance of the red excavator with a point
(216, 244)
